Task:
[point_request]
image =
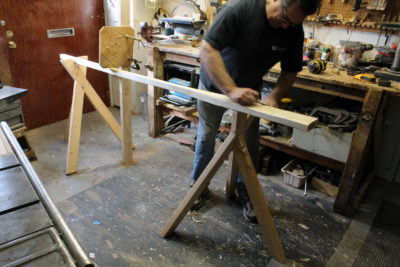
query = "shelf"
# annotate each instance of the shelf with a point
(283, 145)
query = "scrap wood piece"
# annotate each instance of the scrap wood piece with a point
(115, 47)
(284, 117)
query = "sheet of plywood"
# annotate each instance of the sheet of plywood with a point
(115, 47)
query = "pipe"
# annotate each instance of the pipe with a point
(66, 234)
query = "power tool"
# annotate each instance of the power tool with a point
(355, 51)
(316, 66)
(394, 72)
(148, 32)
(365, 77)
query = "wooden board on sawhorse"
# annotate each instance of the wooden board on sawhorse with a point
(82, 87)
(115, 49)
(236, 145)
(233, 144)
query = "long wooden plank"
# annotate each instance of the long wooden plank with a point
(75, 123)
(94, 98)
(284, 117)
(353, 169)
(261, 208)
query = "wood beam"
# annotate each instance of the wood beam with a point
(352, 172)
(284, 117)
(75, 123)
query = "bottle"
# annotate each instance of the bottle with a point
(325, 53)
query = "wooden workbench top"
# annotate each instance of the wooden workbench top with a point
(327, 76)
(342, 79)
(177, 48)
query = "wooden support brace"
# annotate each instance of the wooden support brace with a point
(75, 122)
(80, 78)
(233, 170)
(234, 142)
(351, 176)
(126, 122)
(261, 208)
(200, 185)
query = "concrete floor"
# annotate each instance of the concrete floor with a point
(104, 192)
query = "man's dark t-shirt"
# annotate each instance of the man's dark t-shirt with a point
(249, 46)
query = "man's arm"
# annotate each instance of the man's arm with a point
(215, 68)
(284, 83)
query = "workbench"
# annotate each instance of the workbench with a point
(354, 182)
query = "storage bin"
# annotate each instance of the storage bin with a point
(291, 178)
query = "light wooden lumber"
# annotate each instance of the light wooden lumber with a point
(94, 98)
(126, 123)
(75, 123)
(260, 205)
(284, 117)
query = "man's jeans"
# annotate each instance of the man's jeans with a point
(209, 121)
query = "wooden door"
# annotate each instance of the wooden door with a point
(35, 65)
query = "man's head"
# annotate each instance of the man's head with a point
(286, 13)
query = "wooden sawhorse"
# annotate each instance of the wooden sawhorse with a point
(234, 145)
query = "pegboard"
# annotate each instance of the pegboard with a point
(368, 16)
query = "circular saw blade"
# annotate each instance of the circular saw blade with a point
(186, 9)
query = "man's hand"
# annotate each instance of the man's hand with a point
(271, 100)
(243, 96)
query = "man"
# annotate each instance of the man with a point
(247, 38)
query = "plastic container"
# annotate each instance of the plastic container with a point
(291, 178)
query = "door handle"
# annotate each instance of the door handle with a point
(12, 45)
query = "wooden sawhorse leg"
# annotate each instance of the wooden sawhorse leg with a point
(354, 167)
(234, 143)
(82, 87)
